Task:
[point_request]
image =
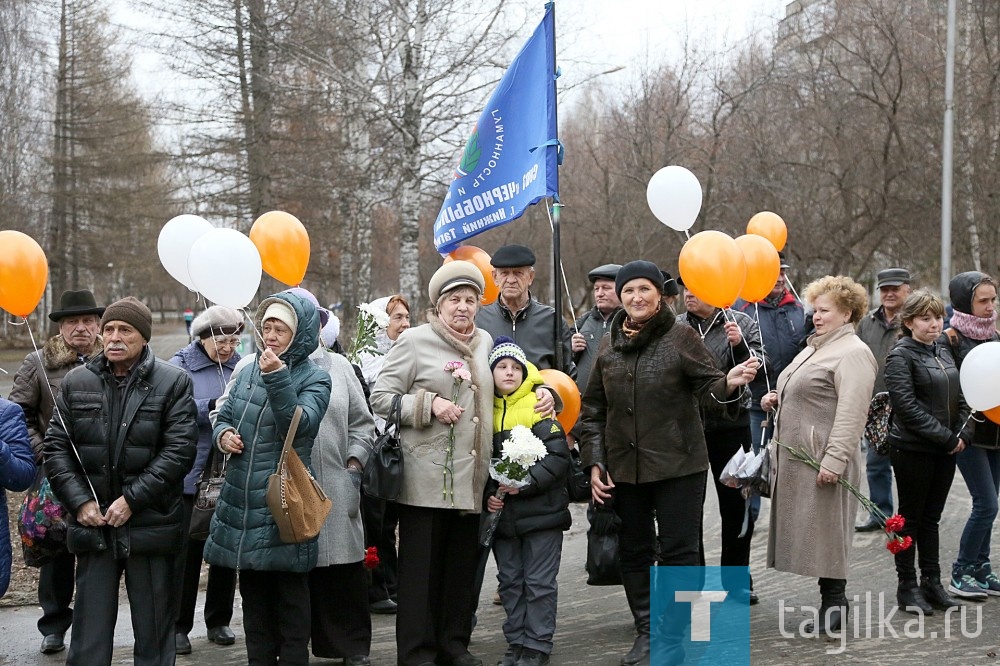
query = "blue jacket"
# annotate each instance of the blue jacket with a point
(209, 379)
(17, 470)
(781, 333)
(260, 407)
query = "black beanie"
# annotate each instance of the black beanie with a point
(638, 269)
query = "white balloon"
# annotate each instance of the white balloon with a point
(225, 267)
(174, 244)
(979, 374)
(674, 196)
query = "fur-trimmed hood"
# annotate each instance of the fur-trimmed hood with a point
(56, 354)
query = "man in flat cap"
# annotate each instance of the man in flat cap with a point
(879, 329)
(520, 317)
(594, 323)
(116, 460)
(36, 384)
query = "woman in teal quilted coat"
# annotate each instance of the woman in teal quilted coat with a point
(253, 417)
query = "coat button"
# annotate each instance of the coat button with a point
(475, 419)
(628, 376)
(632, 444)
(473, 387)
(628, 411)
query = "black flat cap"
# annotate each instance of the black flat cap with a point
(784, 262)
(605, 272)
(892, 277)
(513, 256)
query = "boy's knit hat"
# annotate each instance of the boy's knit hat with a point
(504, 347)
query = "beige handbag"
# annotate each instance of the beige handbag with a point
(295, 498)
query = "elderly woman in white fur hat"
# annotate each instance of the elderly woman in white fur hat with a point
(210, 361)
(442, 373)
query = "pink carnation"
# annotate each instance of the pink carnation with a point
(452, 366)
(461, 375)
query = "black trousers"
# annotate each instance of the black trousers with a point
(55, 594)
(923, 481)
(438, 553)
(341, 623)
(661, 518)
(722, 445)
(275, 608)
(380, 520)
(221, 589)
(148, 581)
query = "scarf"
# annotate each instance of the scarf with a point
(973, 327)
(631, 328)
(464, 338)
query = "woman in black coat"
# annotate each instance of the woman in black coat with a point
(929, 426)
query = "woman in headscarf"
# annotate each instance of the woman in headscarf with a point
(253, 419)
(973, 322)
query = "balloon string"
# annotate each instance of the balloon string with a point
(788, 282)
(246, 313)
(728, 315)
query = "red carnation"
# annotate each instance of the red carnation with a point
(894, 523)
(371, 557)
(898, 545)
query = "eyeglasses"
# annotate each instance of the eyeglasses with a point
(226, 342)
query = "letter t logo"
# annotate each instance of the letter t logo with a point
(701, 610)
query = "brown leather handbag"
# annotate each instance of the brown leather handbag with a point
(296, 500)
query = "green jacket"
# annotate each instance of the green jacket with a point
(260, 407)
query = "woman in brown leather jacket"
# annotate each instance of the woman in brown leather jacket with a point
(643, 439)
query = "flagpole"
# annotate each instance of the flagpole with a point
(556, 210)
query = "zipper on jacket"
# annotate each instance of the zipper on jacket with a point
(947, 384)
(246, 490)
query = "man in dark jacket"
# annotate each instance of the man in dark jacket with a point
(782, 320)
(730, 343)
(880, 331)
(520, 317)
(593, 324)
(36, 384)
(116, 460)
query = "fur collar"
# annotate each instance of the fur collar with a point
(56, 354)
(662, 322)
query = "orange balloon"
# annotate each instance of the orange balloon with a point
(770, 226)
(993, 414)
(568, 393)
(763, 267)
(712, 266)
(482, 260)
(24, 271)
(283, 245)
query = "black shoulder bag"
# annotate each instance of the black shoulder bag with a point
(383, 474)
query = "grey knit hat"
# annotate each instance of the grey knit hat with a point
(217, 320)
(504, 347)
(133, 312)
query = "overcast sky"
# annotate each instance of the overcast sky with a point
(593, 35)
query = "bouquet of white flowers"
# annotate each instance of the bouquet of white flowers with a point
(370, 321)
(518, 453)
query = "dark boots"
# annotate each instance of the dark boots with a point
(637, 592)
(936, 595)
(911, 598)
(833, 606)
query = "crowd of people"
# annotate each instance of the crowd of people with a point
(672, 388)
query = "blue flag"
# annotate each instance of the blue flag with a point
(511, 159)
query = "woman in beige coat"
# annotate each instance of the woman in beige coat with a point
(822, 399)
(441, 495)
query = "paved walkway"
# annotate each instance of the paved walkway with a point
(595, 624)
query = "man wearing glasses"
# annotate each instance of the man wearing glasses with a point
(210, 361)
